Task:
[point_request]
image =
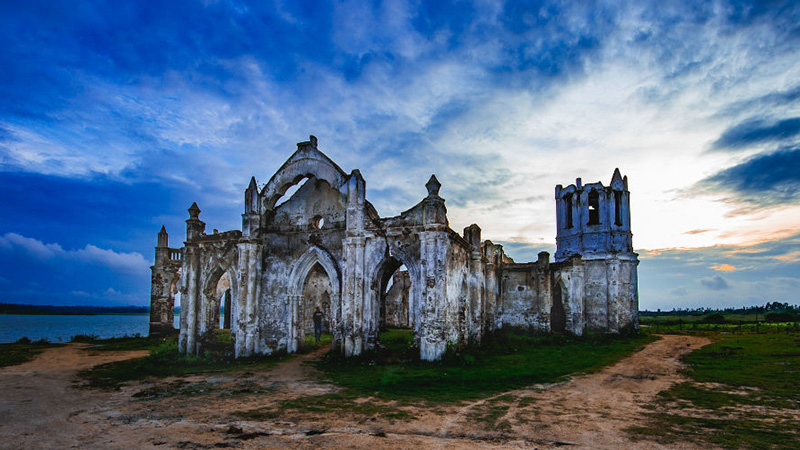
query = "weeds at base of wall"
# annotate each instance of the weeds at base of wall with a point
(165, 360)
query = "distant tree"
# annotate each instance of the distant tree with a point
(775, 317)
(714, 318)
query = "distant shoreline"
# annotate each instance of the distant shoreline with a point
(51, 310)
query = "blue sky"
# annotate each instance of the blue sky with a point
(115, 117)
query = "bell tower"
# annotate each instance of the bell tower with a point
(593, 219)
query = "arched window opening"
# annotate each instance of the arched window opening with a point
(222, 295)
(617, 208)
(594, 208)
(317, 292)
(395, 304)
(568, 206)
(395, 319)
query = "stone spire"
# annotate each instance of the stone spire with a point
(163, 237)
(433, 186)
(194, 211)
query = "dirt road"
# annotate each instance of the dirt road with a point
(41, 408)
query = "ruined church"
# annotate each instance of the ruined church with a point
(326, 246)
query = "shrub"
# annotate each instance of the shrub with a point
(714, 318)
(780, 317)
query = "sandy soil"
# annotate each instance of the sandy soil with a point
(41, 407)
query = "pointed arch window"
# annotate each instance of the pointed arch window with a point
(617, 208)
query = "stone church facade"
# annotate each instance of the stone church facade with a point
(327, 246)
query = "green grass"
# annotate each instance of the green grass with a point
(22, 351)
(165, 360)
(693, 327)
(126, 343)
(743, 392)
(311, 344)
(507, 360)
(383, 383)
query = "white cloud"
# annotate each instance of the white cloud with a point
(133, 262)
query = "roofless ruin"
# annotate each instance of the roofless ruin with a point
(327, 246)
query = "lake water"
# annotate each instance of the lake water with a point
(62, 328)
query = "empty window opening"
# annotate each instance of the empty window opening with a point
(568, 203)
(617, 208)
(222, 295)
(395, 308)
(594, 208)
(225, 311)
(395, 304)
(290, 192)
(176, 311)
(317, 222)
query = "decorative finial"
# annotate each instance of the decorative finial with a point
(313, 140)
(163, 230)
(253, 184)
(194, 211)
(433, 186)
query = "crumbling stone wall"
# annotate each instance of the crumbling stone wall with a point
(326, 244)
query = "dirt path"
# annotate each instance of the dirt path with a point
(38, 400)
(43, 410)
(593, 410)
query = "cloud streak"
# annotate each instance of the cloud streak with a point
(53, 253)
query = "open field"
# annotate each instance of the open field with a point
(742, 392)
(516, 391)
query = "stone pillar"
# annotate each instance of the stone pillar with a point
(246, 330)
(434, 244)
(355, 327)
(191, 290)
(190, 293)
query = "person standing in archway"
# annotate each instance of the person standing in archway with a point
(318, 316)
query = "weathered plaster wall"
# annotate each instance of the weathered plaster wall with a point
(327, 245)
